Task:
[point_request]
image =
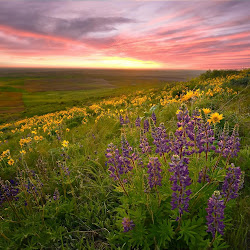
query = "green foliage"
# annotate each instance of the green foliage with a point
(193, 232)
(210, 74)
(74, 122)
(242, 81)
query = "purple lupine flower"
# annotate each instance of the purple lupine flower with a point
(126, 148)
(232, 183)
(223, 139)
(205, 138)
(114, 162)
(146, 125)
(160, 140)
(64, 167)
(154, 172)
(127, 225)
(136, 157)
(31, 187)
(180, 144)
(153, 116)
(138, 122)
(127, 121)
(215, 211)
(182, 116)
(8, 191)
(144, 145)
(232, 146)
(201, 133)
(121, 120)
(117, 163)
(180, 181)
(196, 116)
(56, 195)
(127, 155)
(197, 130)
(193, 125)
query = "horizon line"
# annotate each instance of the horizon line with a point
(147, 69)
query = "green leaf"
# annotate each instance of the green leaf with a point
(193, 231)
(219, 243)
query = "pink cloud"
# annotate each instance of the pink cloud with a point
(193, 35)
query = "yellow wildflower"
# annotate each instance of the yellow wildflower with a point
(11, 162)
(67, 129)
(65, 144)
(23, 152)
(215, 117)
(206, 111)
(37, 138)
(5, 153)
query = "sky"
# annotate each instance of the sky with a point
(125, 34)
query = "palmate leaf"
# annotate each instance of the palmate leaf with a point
(193, 232)
(140, 237)
(162, 232)
(138, 213)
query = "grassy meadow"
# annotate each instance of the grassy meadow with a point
(95, 159)
(29, 92)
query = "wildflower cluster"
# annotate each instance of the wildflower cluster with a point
(8, 191)
(164, 174)
(174, 153)
(117, 163)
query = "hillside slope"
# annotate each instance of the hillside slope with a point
(111, 175)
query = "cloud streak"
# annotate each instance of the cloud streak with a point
(196, 35)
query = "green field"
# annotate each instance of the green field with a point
(28, 92)
(94, 159)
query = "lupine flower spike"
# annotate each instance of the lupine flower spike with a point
(153, 117)
(160, 140)
(154, 172)
(146, 125)
(180, 181)
(128, 225)
(232, 183)
(144, 145)
(215, 211)
(138, 122)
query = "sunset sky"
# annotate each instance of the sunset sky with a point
(125, 34)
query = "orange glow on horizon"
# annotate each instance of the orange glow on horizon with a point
(78, 62)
